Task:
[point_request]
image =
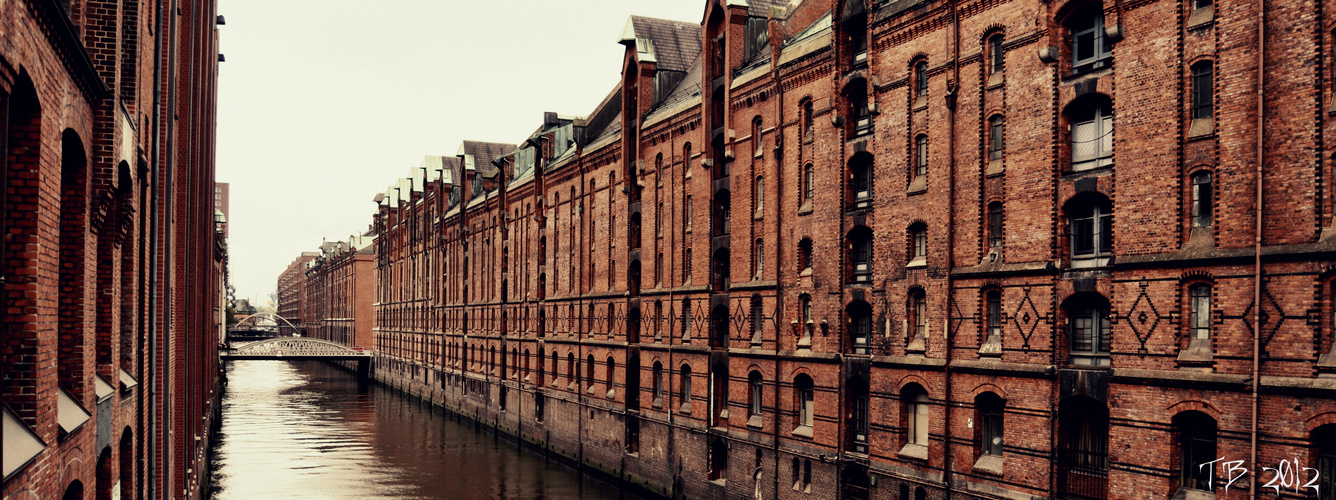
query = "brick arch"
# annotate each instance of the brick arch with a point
(1319, 420)
(911, 379)
(988, 387)
(990, 30)
(1195, 276)
(1196, 405)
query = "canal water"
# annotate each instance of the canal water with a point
(308, 430)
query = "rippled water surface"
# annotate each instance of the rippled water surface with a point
(307, 430)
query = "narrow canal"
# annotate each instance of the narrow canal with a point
(308, 430)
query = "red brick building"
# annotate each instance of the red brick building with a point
(902, 249)
(291, 291)
(111, 267)
(339, 291)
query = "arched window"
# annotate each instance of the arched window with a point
(860, 327)
(915, 414)
(755, 402)
(860, 254)
(658, 385)
(809, 120)
(917, 312)
(860, 180)
(921, 155)
(757, 319)
(857, 423)
(996, 138)
(805, 256)
(1324, 440)
(921, 78)
(1090, 48)
(995, 234)
(809, 183)
(686, 321)
(589, 372)
(995, 53)
(1202, 199)
(918, 244)
(988, 413)
(1091, 229)
(685, 384)
(611, 376)
(993, 312)
(1083, 448)
(571, 371)
(858, 108)
(757, 143)
(758, 194)
(1091, 336)
(758, 262)
(1091, 122)
(1196, 439)
(686, 268)
(805, 396)
(1203, 97)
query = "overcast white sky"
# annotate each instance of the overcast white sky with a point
(324, 103)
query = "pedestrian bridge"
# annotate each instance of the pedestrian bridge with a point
(293, 348)
(299, 348)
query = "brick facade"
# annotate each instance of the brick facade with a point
(112, 272)
(338, 291)
(991, 249)
(291, 292)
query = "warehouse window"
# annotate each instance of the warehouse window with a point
(1091, 49)
(1202, 199)
(1091, 125)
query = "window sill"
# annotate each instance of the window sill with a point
(995, 167)
(612, 394)
(758, 215)
(989, 464)
(920, 102)
(1089, 262)
(1201, 17)
(685, 409)
(918, 186)
(995, 80)
(755, 422)
(803, 431)
(806, 208)
(916, 346)
(1200, 128)
(1089, 361)
(991, 348)
(917, 262)
(914, 451)
(1198, 353)
(658, 403)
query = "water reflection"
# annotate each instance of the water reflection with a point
(307, 430)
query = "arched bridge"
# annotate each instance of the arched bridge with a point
(260, 326)
(293, 348)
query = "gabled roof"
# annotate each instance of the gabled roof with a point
(483, 153)
(673, 44)
(686, 89)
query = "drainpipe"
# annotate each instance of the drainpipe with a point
(779, 223)
(1257, 242)
(952, 94)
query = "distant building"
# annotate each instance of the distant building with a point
(332, 292)
(291, 294)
